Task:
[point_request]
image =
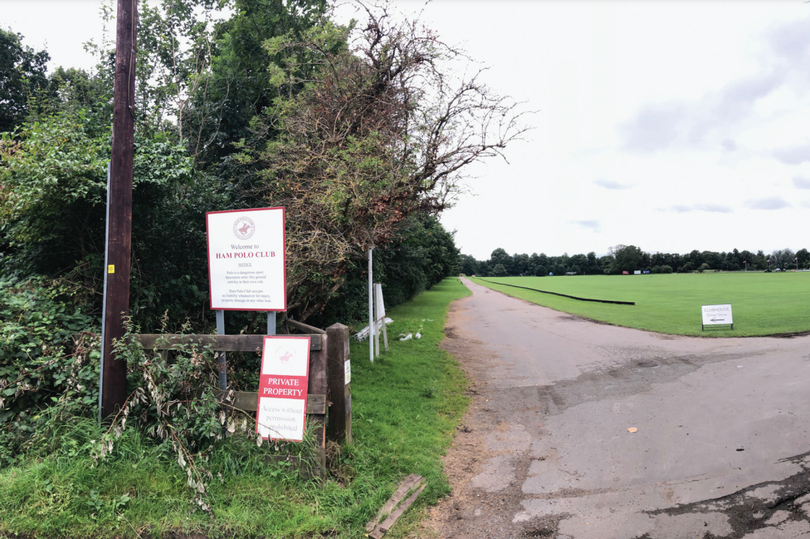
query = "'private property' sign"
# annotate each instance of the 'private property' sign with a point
(283, 386)
(246, 262)
(717, 314)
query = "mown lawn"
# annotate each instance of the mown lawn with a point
(406, 406)
(762, 303)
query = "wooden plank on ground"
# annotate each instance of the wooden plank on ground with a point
(410, 482)
(383, 528)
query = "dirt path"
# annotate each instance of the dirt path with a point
(721, 448)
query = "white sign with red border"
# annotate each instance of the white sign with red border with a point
(282, 406)
(246, 260)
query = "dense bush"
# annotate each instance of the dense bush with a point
(420, 256)
(49, 351)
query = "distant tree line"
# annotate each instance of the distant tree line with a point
(630, 258)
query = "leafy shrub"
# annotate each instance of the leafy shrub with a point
(48, 352)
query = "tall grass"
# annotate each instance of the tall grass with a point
(405, 408)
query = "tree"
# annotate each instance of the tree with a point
(230, 84)
(537, 264)
(783, 259)
(803, 257)
(593, 264)
(578, 263)
(712, 259)
(500, 257)
(625, 258)
(499, 271)
(468, 265)
(520, 264)
(22, 75)
(374, 133)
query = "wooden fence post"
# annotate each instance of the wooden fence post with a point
(339, 391)
(317, 385)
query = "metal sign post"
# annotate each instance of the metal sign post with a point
(222, 363)
(370, 309)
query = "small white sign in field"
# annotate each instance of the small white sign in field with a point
(717, 315)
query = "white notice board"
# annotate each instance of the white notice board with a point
(246, 260)
(717, 314)
(378, 298)
(282, 406)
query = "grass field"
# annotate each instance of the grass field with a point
(762, 303)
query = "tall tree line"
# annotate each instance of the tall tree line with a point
(630, 258)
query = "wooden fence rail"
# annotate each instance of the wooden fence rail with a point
(328, 395)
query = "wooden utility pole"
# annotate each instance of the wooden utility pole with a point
(119, 210)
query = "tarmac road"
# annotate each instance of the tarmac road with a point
(722, 447)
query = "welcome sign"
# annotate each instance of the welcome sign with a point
(282, 406)
(246, 260)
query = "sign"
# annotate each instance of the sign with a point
(717, 314)
(282, 406)
(347, 372)
(378, 298)
(246, 260)
(637, 272)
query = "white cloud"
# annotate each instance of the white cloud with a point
(770, 203)
(611, 184)
(801, 183)
(591, 224)
(795, 155)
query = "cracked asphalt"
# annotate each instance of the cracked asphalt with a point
(721, 448)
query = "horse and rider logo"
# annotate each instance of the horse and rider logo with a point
(243, 228)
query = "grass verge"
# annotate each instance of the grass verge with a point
(762, 303)
(406, 406)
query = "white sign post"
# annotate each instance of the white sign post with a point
(716, 315)
(370, 307)
(246, 260)
(282, 406)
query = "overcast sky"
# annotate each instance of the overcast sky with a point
(668, 125)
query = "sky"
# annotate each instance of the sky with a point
(671, 126)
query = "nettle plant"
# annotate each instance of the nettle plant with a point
(173, 401)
